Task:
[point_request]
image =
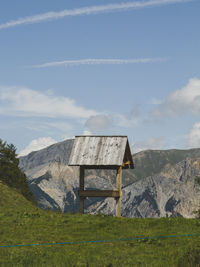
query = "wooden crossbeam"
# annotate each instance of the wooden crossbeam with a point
(117, 194)
(99, 193)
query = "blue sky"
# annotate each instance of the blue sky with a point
(100, 67)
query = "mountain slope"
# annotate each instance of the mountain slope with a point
(150, 162)
(173, 192)
(153, 189)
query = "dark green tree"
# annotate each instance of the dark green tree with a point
(10, 173)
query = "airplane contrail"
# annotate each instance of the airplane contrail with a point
(89, 11)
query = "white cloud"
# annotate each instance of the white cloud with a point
(193, 139)
(37, 144)
(186, 99)
(27, 102)
(128, 119)
(85, 132)
(95, 61)
(98, 123)
(125, 120)
(155, 101)
(149, 143)
(63, 126)
(88, 11)
(67, 137)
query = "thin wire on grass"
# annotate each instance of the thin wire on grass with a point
(98, 241)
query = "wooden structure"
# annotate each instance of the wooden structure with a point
(101, 152)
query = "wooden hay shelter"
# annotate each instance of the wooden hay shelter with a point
(101, 152)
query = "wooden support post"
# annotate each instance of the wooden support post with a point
(81, 185)
(119, 188)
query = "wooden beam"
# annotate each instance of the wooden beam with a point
(100, 167)
(117, 194)
(119, 189)
(81, 185)
(99, 193)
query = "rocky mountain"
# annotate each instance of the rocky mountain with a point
(163, 183)
(173, 192)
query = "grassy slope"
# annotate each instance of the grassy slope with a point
(23, 223)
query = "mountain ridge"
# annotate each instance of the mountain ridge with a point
(55, 184)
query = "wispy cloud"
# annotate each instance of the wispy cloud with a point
(88, 11)
(26, 102)
(94, 61)
(155, 143)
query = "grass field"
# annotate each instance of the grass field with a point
(23, 223)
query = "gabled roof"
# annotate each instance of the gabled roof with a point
(101, 151)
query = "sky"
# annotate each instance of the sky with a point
(101, 67)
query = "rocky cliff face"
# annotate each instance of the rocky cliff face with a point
(163, 184)
(55, 184)
(173, 192)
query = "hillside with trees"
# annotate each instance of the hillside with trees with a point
(10, 173)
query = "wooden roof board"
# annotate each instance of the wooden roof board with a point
(99, 151)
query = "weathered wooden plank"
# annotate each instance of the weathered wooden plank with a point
(81, 181)
(106, 167)
(81, 186)
(95, 150)
(99, 193)
(119, 189)
(97, 167)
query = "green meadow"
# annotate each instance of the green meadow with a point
(23, 223)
